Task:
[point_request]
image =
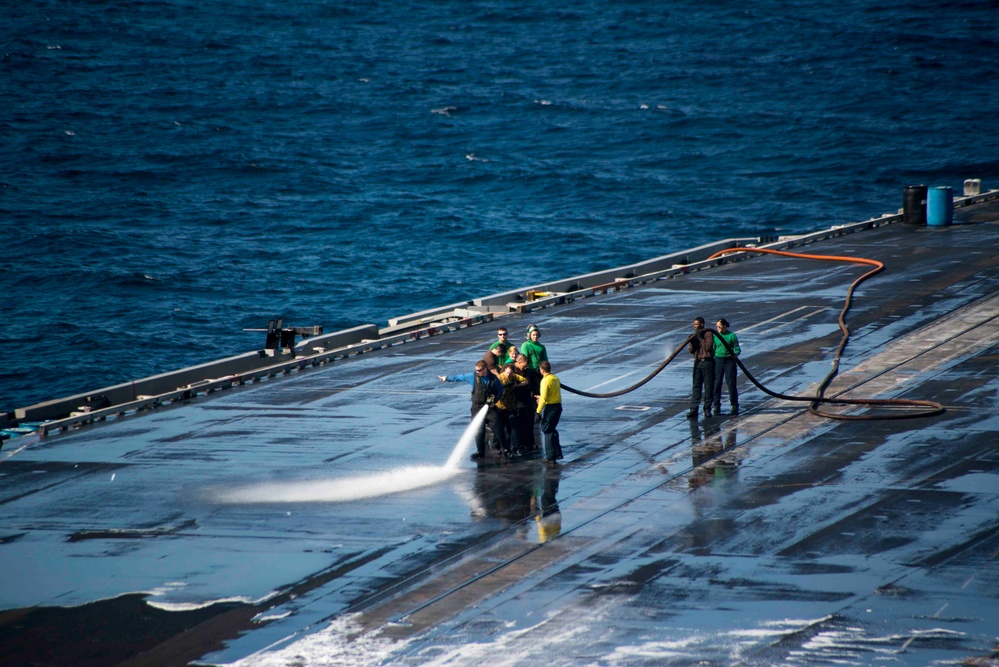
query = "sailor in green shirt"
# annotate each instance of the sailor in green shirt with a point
(725, 366)
(503, 341)
(532, 349)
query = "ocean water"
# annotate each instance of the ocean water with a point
(173, 172)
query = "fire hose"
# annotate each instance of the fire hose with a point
(913, 408)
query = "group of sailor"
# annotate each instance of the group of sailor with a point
(517, 389)
(715, 355)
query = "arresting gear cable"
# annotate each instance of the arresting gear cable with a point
(912, 408)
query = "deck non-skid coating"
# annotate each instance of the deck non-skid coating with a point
(774, 537)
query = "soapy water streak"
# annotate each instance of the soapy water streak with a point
(347, 489)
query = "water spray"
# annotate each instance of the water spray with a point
(346, 489)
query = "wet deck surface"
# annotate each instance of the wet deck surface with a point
(774, 537)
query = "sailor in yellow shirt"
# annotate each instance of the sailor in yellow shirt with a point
(550, 410)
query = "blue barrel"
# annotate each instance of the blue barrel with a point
(914, 205)
(940, 206)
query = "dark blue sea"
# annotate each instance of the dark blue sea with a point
(172, 171)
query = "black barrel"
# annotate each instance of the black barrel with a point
(914, 205)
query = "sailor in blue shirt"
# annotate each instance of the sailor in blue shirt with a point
(486, 390)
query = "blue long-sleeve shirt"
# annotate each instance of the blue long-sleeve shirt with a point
(493, 387)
